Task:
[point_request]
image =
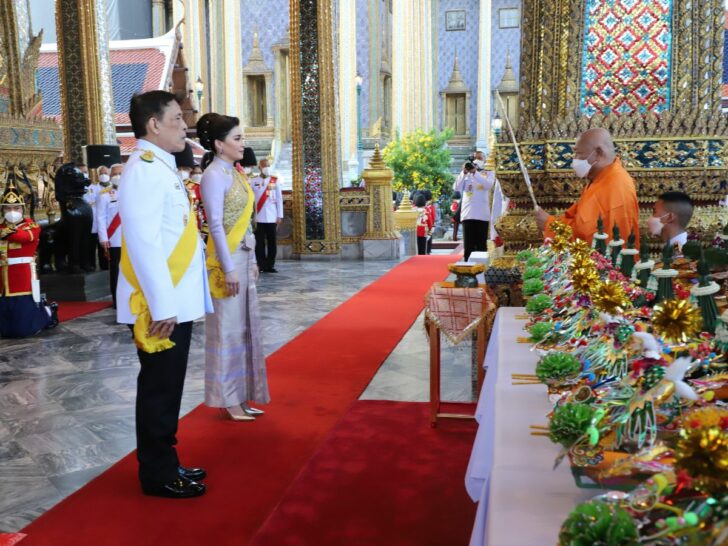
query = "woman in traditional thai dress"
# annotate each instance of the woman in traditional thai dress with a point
(235, 372)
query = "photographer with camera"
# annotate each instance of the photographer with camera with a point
(475, 189)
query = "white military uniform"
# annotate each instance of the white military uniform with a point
(107, 207)
(155, 208)
(475, 189)
(91, 197)
(273, 207)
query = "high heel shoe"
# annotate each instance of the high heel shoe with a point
(235, 413)
(253, 412)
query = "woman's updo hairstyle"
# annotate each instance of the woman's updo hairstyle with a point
(212, 127)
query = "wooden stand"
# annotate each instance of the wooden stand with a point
(434, 332)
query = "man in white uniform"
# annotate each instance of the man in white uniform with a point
(163, 268)
(474, 207)
(109, 224)
(268, 215)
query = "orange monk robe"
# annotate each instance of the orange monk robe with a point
(612, 195)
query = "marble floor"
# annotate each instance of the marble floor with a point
(67, 396)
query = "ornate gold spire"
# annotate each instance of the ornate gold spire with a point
(376, 162)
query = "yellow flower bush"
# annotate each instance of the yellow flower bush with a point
(420, 160)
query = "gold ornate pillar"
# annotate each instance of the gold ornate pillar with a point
(316, 212)
(381, 240)
(84, 71)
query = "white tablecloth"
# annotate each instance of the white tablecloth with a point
(522, 501)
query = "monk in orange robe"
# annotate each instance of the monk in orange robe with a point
(610, 193)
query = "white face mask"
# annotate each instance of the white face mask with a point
(183, 175)
(13, 216)
(115, 179)
(196, 177)
(581, 166)
(247, 170)
(265, 171)
(103, 178)
(655, 225)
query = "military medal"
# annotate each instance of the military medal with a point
(479, 187)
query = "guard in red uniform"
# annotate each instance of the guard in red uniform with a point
(22, 314)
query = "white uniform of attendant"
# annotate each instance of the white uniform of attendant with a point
(475, 189)
(474, 209)
(269, 199)
(272, 209)
(154, 209)
(107, 207)
(91, 197)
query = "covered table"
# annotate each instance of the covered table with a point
(522, 501)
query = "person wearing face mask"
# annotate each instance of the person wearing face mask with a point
(670, 218)
(268, 216)
(22, 313)
(109, 228)
(610, 192)
(235, 370)
(92, 198)
(116, 170)
(186, 165)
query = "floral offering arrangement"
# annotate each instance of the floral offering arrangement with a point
(634, 358)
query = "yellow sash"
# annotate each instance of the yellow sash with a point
(178, 262)
(218, 289)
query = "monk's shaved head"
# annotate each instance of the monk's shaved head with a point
(597, 147)
(597, 139)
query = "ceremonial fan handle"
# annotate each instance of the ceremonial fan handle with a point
(524, 171)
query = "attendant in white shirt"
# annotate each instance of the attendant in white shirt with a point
(155, 216)
(109, 225)
(670, 218)
(268, 216)
(474, 207)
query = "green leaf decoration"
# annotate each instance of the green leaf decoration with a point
(532, 287)
(540, 330)
(557, 367)
(601, 523)
(539, 303)
(533, 273)
(569, 423)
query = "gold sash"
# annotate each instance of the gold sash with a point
(218, 288)
(178, 262)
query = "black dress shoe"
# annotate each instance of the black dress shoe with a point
(181, 488)
(194, 474)
(54, 315)
(271, 270)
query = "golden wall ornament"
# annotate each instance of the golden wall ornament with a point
(29, 144)
(380, 218)
(685, 147)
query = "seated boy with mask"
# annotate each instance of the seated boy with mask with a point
(670, 218)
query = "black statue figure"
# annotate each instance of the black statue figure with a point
(72, 233)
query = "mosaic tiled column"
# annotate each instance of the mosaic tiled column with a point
(315, 142)
(84, 71)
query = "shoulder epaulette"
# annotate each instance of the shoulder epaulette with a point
(147, 156)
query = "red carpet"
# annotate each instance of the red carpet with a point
(314, 379)
(69, 310)
(382, 477)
